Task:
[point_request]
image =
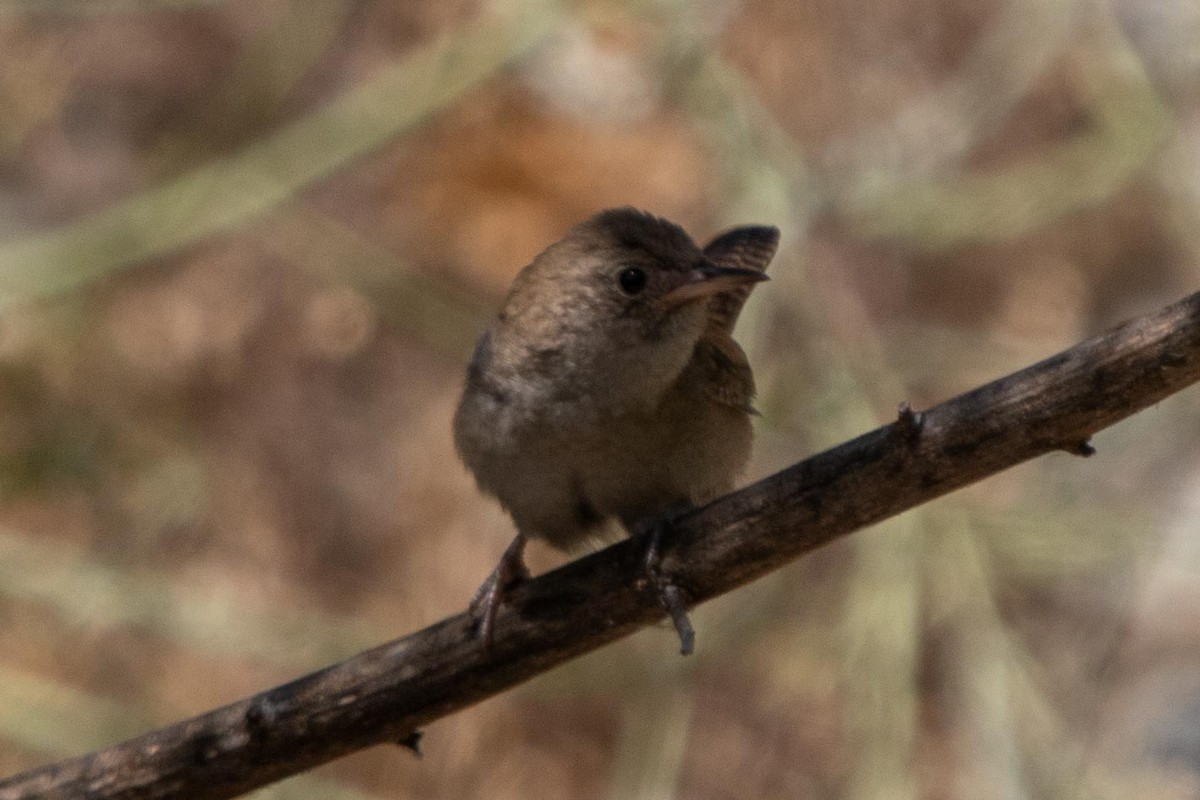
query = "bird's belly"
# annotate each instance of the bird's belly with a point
(652, 468)
(533, 465)
(565, 483)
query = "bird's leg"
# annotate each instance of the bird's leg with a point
(508, 573)
(670, 596)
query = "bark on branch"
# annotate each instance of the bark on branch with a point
(388, 693)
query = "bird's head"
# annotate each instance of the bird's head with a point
(623, 297)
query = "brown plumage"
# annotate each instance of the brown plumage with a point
(610, 387)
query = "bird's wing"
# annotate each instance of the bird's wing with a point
(750, 247)
(724, 373)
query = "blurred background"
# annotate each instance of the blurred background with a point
(245, 249)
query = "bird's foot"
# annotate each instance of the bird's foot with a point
(671, 597)
(488, 598)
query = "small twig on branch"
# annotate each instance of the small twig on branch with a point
(388, 693)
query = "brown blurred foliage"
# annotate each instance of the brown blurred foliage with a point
(244, 250)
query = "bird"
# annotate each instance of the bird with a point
(609, 392)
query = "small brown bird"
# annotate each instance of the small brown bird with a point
(610, 387)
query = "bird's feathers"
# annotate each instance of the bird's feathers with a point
(732, 382)
(750, 247)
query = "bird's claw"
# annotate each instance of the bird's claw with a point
(510, 572)
(671, 597)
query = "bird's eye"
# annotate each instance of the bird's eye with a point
(632, 280)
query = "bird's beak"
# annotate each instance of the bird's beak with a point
(705, 281)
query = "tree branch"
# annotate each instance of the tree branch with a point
(386, 694)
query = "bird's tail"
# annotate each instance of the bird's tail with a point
(749, 247)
